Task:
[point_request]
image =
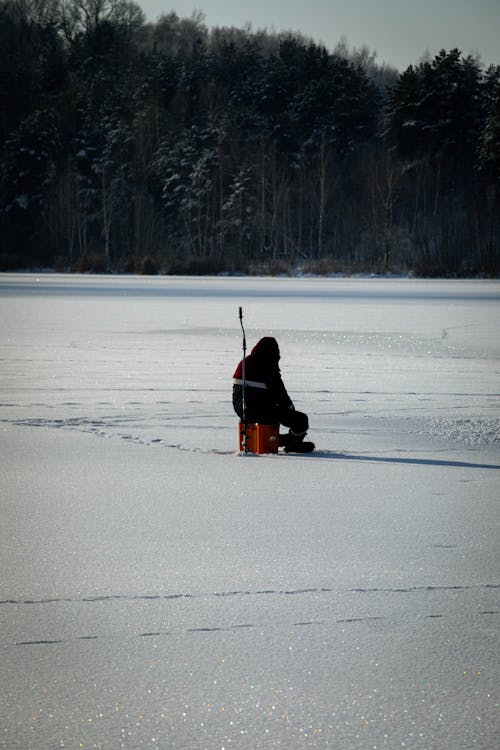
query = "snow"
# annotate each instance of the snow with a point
(161, 590)
(22, 200)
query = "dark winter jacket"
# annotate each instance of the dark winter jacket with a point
(265, 394)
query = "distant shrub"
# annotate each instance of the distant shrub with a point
(127, 265)
(12, 262)
(193, 266)
(147, 266)
(90, 263)
(271, 267)
(62, 264)
(426, 267)
(323, 266)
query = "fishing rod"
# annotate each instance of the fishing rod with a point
(244, 386)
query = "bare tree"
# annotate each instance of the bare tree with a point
(76, 16)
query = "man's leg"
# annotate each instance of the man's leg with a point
(298, 424)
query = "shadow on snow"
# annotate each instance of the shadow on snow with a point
(399, 460)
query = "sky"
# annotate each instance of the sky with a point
(400, 31)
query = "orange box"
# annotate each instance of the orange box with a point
(260, 438)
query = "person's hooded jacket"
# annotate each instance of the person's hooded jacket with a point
(265, 393)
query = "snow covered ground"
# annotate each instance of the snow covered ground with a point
(159, 590)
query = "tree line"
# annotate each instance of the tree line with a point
(166, 147)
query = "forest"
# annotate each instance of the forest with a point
(166, 147)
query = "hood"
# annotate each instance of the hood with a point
(267, 350)
(262, 362)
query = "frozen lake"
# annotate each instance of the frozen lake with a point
(159, 590)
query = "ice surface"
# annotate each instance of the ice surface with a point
(161, 590)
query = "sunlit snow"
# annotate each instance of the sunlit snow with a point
(161, 590)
